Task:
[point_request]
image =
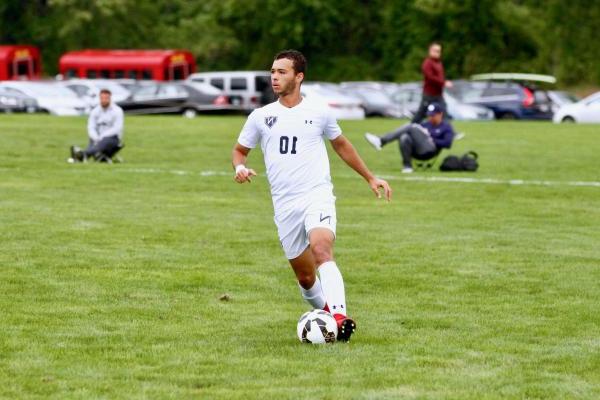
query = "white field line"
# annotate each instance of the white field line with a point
(408, 178)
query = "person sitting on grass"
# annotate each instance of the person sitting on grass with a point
(105, 131)
(420, 141)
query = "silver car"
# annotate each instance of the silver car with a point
(408, 97)
(50, 96)
(15, 101)
(376, 102)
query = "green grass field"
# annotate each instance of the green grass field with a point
(111, 275)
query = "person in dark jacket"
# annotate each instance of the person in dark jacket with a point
(434, 81)
(420, 141)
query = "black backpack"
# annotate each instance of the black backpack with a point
(467, 162)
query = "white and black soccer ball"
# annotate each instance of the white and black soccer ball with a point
(317, 327)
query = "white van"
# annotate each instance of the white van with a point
(247, 86)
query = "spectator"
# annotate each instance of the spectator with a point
(434, 82)
(421, 141)
(105, 131)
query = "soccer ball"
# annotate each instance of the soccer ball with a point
(317, 327)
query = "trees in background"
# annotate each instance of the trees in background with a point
(345, 39)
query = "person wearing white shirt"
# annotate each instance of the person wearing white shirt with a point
(291, 133)
(105, 131)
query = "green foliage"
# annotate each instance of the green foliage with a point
(345, 39)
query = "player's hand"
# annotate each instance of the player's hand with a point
(377, 184)
(244, 174)
(448, 84)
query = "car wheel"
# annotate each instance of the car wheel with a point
(568, 119)
(508, 116)
(190, 113)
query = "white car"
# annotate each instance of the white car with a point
(51, 97)
(244, 88)
(585, 111)
(89, 90)
(341, 105)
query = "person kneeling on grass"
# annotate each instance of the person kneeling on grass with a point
(105, 130)
(420, 141)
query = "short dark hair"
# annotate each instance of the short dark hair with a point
(105, 91)
(298, 59)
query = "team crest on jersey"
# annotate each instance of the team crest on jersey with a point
(270, 121)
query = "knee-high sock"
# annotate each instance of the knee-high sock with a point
(333, 287)
(314, 295)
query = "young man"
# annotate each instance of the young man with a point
(421, 141)
(434, 81)
(291, 133)
(105, 131)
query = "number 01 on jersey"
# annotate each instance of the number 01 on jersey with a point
(284, 144)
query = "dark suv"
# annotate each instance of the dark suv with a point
(508, 100)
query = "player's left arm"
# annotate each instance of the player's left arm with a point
(348, 153)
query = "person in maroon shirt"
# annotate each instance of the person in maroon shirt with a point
(434, 82)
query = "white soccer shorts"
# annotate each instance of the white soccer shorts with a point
(316, 210)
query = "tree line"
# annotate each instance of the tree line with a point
(342, 39)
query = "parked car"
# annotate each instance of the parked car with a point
(509, 95)
(341, 105)
(459, 111)
(176, 98)
(89, 89)
(376, 102)
(408, 97)
(50, 97)
(561, 98)
(249, 86)
(14, 101)
(584, 111)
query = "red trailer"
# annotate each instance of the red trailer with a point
(19, 62)
(158, 65)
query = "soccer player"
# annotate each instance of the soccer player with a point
(105, 131)
(291, 132)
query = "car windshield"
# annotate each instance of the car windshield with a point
(406, 95)
(469, 95)
(46, 90)
(566, 97)
(592, 98)
(324, 88)
(317, 89)
(205, 88)
(374, 96)
(145, 91)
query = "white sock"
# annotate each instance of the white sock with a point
(314, 295)
(333, 287)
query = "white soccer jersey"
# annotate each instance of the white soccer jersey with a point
(292, 142)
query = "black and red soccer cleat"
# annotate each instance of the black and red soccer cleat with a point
(346, 327)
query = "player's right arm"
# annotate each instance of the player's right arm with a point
(239, 157)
